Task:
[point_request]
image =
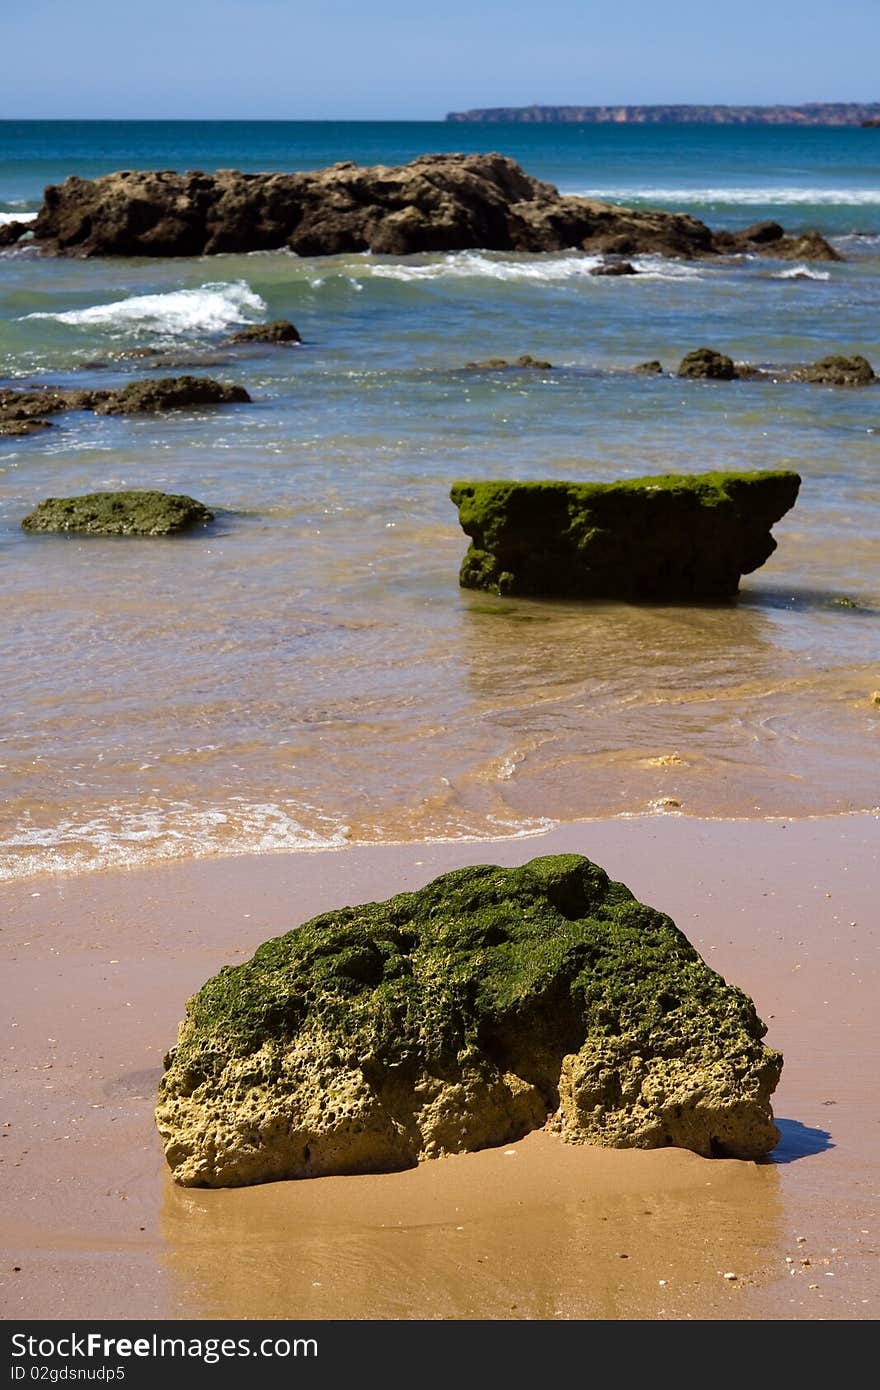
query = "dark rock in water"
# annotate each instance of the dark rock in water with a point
(707, 363)
(119, 514)
(771, 239)
(279, 331)
(27, 424)
(12, 232)
(162, 393)
(493, 364)
(441, 202)
(490, 1003)
(837, 371)
(672, 536)
(169, 393)
(614, 268)
(652, 368)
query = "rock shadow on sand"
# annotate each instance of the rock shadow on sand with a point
(798, 1141)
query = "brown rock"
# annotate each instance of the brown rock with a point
(279, 331)
(709, 364)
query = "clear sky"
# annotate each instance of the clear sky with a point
(386, 59)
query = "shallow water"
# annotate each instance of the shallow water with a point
(307, 670)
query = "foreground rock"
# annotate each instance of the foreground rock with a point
(278, 331)
(464, 1015)
(674, 536)
(712, 365)
(119, 514)
(23, 412)
(12, 232)
(439, 202)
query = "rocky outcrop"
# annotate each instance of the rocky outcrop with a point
(652, 368)
(716, 366)
(119, 514)
(279, 331)
(440, 202)
(771, 239)
(18, 408)
(837, 371)
(674, 536)
(709, 364)
(12, 232)
(490, 1003)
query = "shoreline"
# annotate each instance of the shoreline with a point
(99, 966)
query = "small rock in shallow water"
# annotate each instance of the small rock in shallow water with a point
(119, 514)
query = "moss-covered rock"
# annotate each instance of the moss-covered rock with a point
(708, 364)
(119, 514)
(671, 536)
(652, 368)
(278, 331)
(837, 371)
(169, 393)
(487, 1004)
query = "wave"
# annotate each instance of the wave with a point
(16, 217)
(209, 309)
(542, 269)
(802, 272)
(747, 196)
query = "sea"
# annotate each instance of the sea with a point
(307, 671)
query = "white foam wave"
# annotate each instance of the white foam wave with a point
(747, 196)
(210, 308)
(802, 272)
(480, 265)
(16, 217)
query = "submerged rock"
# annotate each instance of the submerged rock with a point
(837, 371)
(26, 424)
(614, 268)
(279, 331)
(771, 239)
(652, 368)
(487, 1004)
(707, 363)
(670, 536)
(119, 514)
(494, 364)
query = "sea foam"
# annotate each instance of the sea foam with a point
(766, 196)
(210, 308)
(16, 217)
(802, 272)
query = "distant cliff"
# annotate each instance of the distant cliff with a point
(814, 113)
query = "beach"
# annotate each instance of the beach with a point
(210, 738)
(99, 967)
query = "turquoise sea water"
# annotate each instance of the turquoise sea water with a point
(308, 670)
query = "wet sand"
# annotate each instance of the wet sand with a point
(96, 972)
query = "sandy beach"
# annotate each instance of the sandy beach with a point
(98, 968)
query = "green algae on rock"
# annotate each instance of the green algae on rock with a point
(119, 514)
(669, 536)
(464, 1015)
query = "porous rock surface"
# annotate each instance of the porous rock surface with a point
(490, 1003)
(673, 535)
(438, 202)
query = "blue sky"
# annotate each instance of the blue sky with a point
(352, 59)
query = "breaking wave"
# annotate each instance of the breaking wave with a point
(541, 269)
(208, 309)
(802, 272)
(747, 196)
